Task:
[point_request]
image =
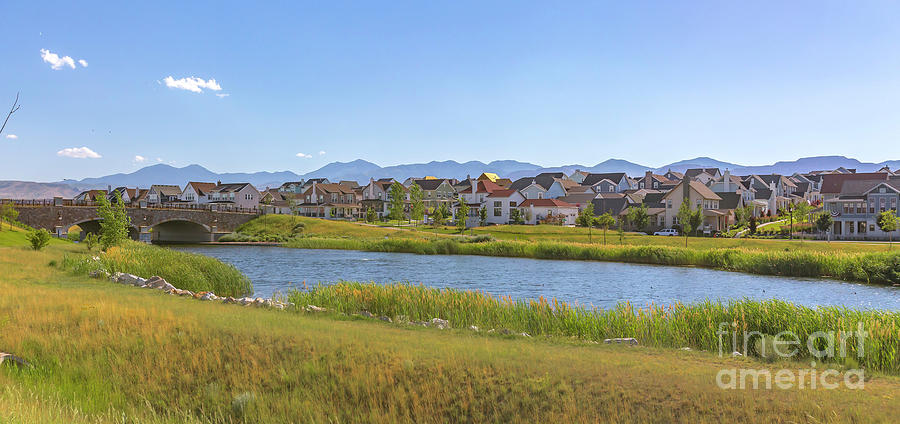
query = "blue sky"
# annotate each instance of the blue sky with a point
(401, 82)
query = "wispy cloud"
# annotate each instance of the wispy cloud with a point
(12, 136)
(321, 152)
(78, 153)
(56, 62)
(221, 95)
(192, 84)
(304, 156)
(139, 158)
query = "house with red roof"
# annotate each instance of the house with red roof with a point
(537, 211)
(500, 205)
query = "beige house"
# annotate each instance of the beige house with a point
(699, 195)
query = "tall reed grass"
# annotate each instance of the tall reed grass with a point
(673, 326)
(188, 271)
(874, 268)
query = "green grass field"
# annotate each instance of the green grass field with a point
(315, 227)
(110, 353)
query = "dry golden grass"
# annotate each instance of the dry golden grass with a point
(103, 352)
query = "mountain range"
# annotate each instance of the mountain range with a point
(361, 170)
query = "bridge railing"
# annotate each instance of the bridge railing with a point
(211, 207)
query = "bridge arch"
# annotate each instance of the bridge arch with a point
(179, 230)
(92, 226)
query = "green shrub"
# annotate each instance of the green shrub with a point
(38, 238)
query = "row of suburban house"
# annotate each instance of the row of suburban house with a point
(853, 199)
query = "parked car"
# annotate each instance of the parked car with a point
(666, 232)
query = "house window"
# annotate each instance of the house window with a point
(512, 204)
(498, 212)
(669, 203)
(656, 184)
(540, 195)
(862, 226)
(497, 204)
(611, 189)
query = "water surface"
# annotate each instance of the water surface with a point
(589, 283)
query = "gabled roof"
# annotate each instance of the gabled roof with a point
(697, 186)
(579, 198)
(504, 193)
(429, 184)
(592, 179)
(693, 172)
(201, 188)
(546, 203)
(483, 186)
(166, 190)
(331, 188)
(729, 200)
(229, 187)
(833, 183)
(490, 176)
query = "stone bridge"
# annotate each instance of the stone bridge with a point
(147, 224)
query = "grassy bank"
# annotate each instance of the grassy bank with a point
(110, 353)
(675, 326)
(874, 268)
(187, 271)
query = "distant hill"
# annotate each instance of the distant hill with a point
(167, 174)
(360, 170)
(30, 190)
(701, 162)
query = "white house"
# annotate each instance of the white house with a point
(500, 204)
(238, 195)
(196, 192)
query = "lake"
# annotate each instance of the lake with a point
(604, 284)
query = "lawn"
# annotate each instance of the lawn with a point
(112, 353)
(582, 235)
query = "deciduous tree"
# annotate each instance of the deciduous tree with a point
(416, 203)
(887, 221)
(604, 221)
(397, 201)
(114, 221)
(462, 214)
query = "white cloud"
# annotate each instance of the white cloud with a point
(321, 152)
(12, 136)
(220, 95)
(78, 153)
(304, 156)
(56, 62)
(193, 84)
(139, 158)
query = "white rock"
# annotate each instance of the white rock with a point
(440, 324)
(622, 340)
(314, 308)
(209, 296)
